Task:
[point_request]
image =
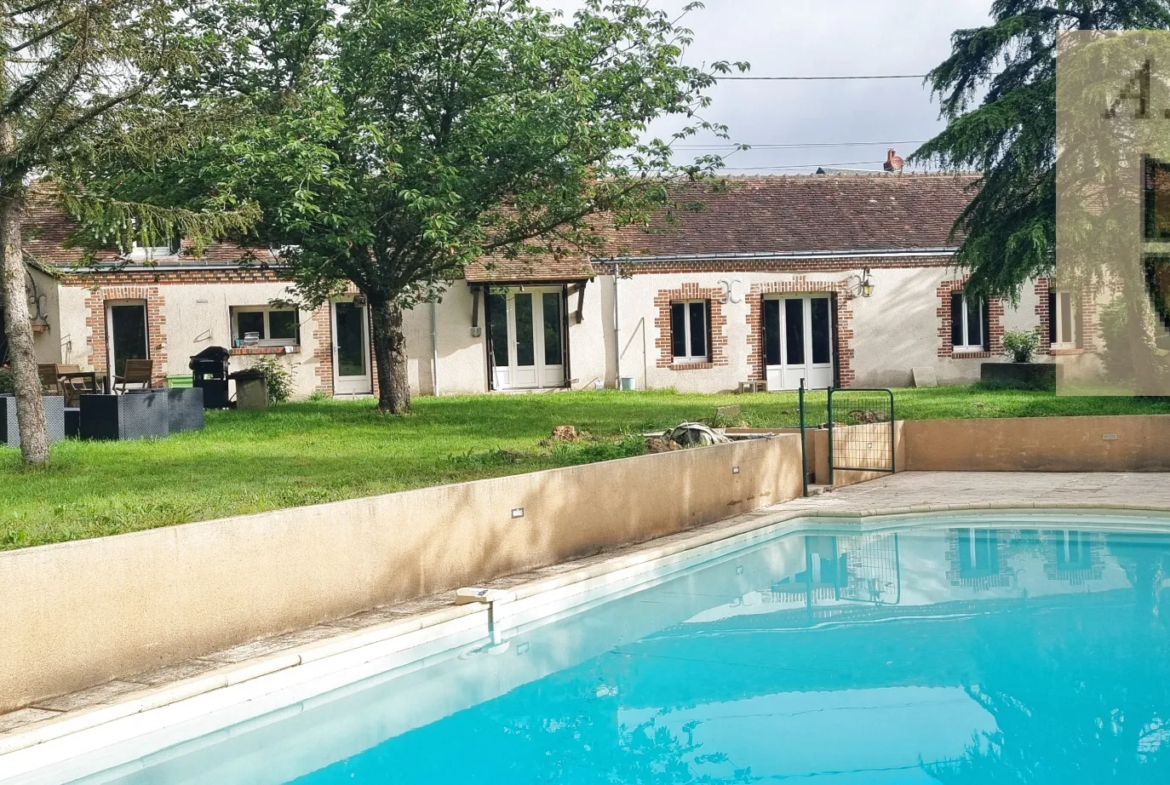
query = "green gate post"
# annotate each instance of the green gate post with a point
(829, 392)
(803, 444)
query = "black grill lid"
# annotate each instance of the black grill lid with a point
(215, 353)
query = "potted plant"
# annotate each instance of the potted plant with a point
(1021, 346)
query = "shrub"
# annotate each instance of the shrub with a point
(279, 378)
(1020, 345)
(1117, 357)
(7, 381)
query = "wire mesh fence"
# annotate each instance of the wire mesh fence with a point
(861, 429)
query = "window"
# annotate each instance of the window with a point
(3, 338)
(688, 331)
(1062, 332)
(978, 553)
(968, 323)
(272, 326)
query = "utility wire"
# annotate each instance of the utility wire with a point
(816, 78)
(801, 166)
(795, 146)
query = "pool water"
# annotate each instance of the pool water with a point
(954, 655)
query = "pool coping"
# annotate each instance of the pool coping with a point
(514, 598)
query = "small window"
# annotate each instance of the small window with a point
(968, 323)
(265, 326)
(1062, 320)
(688, 331)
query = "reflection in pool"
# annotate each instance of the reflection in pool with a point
(960, 655)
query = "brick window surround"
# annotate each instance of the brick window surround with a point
(717, 340)
(994, 324)
(1086, 321)
(98, 354)
(842, 351)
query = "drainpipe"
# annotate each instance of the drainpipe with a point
(434, 349)
(617, 324)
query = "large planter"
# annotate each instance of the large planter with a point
(186, 409)
(54, 419)
(1019, 376)
(144, 415)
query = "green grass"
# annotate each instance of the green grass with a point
(306, 453)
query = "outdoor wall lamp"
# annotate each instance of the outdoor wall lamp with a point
(866, 283)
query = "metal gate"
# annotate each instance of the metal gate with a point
(861, 430)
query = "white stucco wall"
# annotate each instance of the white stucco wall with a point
(195, 316)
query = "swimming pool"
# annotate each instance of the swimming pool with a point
(965, 650)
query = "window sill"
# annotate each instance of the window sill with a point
(691, 366)
(1065, 352)
(247, 351)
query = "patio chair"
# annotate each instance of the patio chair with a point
(73, 388)
(138, 372)
(50, 381)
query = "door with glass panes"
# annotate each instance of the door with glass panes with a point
(526, 332)
(798, 342)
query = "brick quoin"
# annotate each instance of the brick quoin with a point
(843, 351)
(1043, 317)
(994, 323)
(717, 340)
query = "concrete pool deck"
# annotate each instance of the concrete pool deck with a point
(903, 493)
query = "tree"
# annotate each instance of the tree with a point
(998, 94)
(68, 65)
(412, 137)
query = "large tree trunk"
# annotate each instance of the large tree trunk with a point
(390, 353)
(1141, 341)
(30, 408)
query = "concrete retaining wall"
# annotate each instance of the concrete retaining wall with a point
(1039, 444)
(79, 613)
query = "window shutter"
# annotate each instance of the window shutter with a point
(957, 338)
(985, 313)
(1051, 316)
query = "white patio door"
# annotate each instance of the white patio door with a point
(527, 338)
(798, 342)
(351, 349)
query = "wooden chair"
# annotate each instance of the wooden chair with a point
(136, 372)
(74, 387)
(50, 380)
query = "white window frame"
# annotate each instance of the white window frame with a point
(688, 357)
(1058, 322)
(267, 310)
(968, 348)
(154, 251)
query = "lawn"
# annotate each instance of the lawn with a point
(305, 453)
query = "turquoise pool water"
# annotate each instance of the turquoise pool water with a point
(953, 655)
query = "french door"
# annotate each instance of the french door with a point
(798, 342)
(351, 349)
(126, 328)
(526, 332)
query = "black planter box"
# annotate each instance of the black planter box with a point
(143, 415)
(72, 423)
(1020, 376)
(54, 419)
(185, 407)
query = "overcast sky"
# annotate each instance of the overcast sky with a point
(823, 38)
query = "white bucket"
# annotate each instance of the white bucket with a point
(629, 383)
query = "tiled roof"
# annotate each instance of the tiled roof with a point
(791, 214)
(530, 268)
(46, 227)
(808, 214)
